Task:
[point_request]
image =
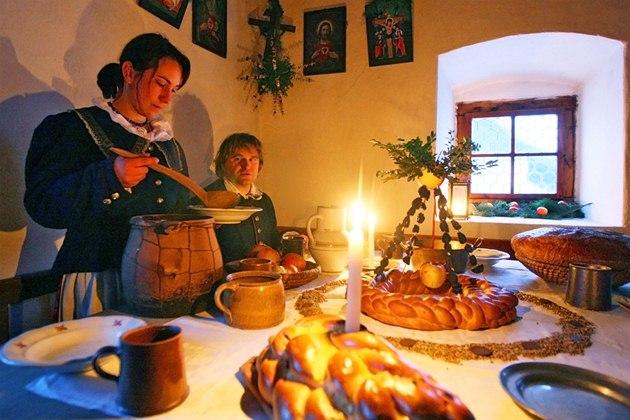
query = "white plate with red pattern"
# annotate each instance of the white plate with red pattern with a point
(67, 346)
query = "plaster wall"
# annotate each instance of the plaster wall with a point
(316, 148)
(604, 122)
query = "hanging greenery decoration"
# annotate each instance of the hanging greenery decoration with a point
(272, 72)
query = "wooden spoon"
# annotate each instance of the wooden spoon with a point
(213, 199)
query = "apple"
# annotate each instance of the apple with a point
(295, 260)
(513, 208)
(261, 250)
(562, 203)
(432, 274)
(542, 211)
(514, 204)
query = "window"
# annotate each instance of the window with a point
(532, 141)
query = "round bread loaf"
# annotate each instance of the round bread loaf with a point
(314, 370)
(402, 299)
(549, 251)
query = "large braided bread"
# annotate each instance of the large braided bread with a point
(314, 370)
(402, 299)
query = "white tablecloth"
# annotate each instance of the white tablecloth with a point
(214, 352)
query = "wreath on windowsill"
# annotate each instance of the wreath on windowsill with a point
(544, 208)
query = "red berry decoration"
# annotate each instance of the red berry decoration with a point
(542, 211)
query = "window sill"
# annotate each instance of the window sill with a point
(532, 221)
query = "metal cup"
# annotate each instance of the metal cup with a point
(590, 287)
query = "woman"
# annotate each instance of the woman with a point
(74, 182)
(237, 163)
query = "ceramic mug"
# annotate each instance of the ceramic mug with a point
(251, 299)
(255, 264)
(152, 378)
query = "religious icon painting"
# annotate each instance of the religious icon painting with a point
(210, 25)
(389, 32)
(170, 11)
(325, 41)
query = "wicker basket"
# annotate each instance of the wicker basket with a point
(559, 273)
(290, 280)
(310, 273)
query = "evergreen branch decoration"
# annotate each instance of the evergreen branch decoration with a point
(414, 156)
(544, 208)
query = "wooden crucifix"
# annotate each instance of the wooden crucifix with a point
(273, 28)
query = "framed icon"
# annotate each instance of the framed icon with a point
(325, 41)
(389, 32)
(210, 25)
(170, 11)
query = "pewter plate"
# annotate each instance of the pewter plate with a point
(557, 391)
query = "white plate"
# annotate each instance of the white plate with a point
(67, 346)
(231, 216)
(490, 257)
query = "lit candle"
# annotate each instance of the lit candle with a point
(355, 265)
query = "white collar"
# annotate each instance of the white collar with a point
(254, 191)
(161, 128)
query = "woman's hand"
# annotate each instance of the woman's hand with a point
(130, 171)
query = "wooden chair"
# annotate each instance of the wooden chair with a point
(16, 291)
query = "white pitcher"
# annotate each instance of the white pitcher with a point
(330, 226)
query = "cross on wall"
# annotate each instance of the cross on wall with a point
(273, 28)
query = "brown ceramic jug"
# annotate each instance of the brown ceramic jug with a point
(170, 262)
(152, 377)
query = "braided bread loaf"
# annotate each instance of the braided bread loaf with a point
(314, 370)
(402, 299)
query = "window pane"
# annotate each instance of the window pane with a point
(535, 174)
(495, 180)
(492, 134)
(536, 133)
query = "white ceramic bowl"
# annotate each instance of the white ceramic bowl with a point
(489, 257)
(332, 259)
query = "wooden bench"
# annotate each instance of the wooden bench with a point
(18, 289)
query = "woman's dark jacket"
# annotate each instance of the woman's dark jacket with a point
(237, 240)
(71, 184)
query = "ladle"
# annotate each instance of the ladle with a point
(212, 199)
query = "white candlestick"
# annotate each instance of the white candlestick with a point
(355, 264)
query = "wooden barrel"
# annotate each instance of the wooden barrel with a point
(169, 264)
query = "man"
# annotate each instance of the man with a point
(238, 163)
